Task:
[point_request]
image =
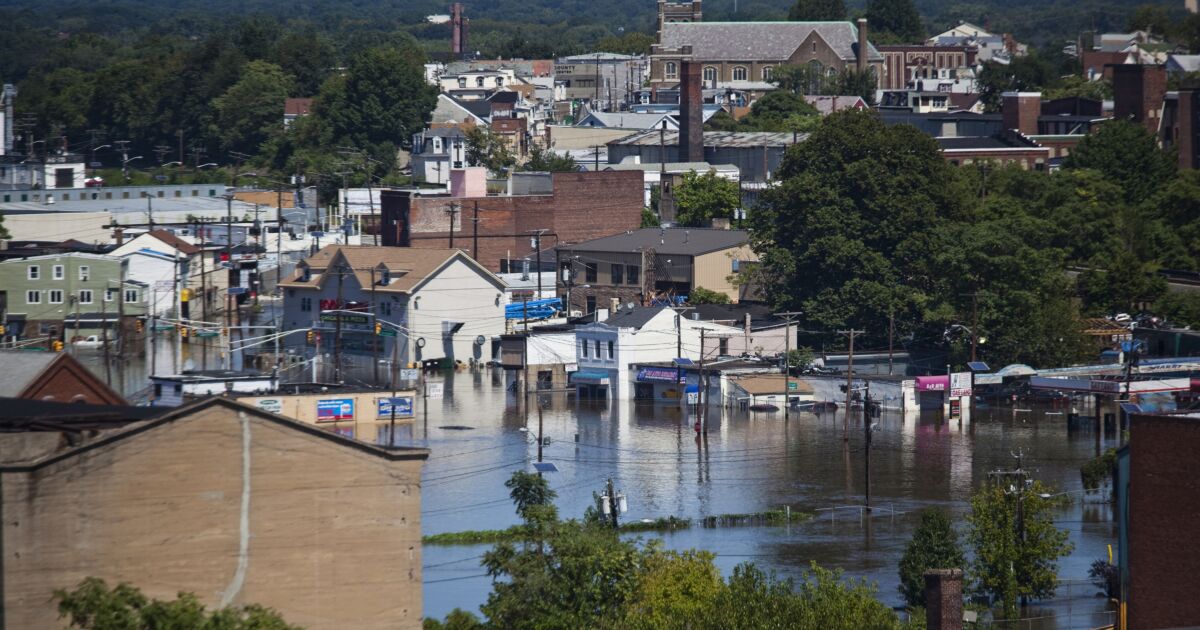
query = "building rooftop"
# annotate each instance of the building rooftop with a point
(672, 167)
(408, 267)
(633, 317)
(682, 241)
(297, 106)
(765, 384)
(760, 41)
(976, 143)
(626, 120)
(18, 415)
(718, 139)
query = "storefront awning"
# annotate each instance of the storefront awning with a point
(590, 378)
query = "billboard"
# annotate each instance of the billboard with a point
(960, 384)
(403, 407)
(334, 409)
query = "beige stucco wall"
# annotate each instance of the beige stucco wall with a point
(364, 427)
(713, 270)
(332, 537)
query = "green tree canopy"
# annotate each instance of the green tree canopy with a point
(92, 605)
(488, 149)
(251, 109)
(934, 545)
(547, 160)
(1127, 154)
(700, 295)
(1027, 73)
(895, 21)
(630, 43)
(700, 198)
(817, 11)
(1016, 544)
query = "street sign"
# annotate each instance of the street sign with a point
(387, 333)
(960, 384)
(207, 333)
(407, 374)
(433, 390)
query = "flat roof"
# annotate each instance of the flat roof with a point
(683, 241)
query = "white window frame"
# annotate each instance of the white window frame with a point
(85, 296)
(670, 70)
(709, 74)
(36, 295)
(108, 294)
(134, 293)
(584, 345)
(34, 272)
(59, 272)
(740, 70)
(50, 298)
(85, 273)
(767, 72)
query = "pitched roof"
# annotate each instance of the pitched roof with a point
(760, 41)
(627, 120)
(761, 384)
(633, 317)
(683, 241)
(297, 106)
(39, 368)
(14, 382)
(409, 267)
(171, 239)
(830, 104)
(21, 415)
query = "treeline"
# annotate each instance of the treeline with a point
(870, 225)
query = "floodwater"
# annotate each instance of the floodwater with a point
(479, 433)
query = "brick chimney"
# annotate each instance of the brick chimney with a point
(863, 48)
(691, 116)
(1188, 104)
(458, 29)
(1020, 111)
(1138, 92)
(943, 599)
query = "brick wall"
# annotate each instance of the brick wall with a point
(583, 206)
(1020, 111)
(1138, 92)
(1164, 501)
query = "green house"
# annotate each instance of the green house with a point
(64, 296)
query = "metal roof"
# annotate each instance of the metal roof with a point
(682, 241)
(760, 41)
(718, 139)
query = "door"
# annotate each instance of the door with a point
(64, 178)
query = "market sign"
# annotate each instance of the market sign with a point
(273, 405)
(403, 406)
(334, 409)
(933, 383)
(660, 375)
(960, 384)
(346, 318)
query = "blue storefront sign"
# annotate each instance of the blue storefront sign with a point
(402, 404)
(334, 409)
(660, 375)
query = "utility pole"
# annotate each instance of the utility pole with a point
(849, 382)
(612, 504)
(475, 236)
(337, 324)
(892, 333)
(452, 210)
(974, 295)
(701, 389)
(104, 329)
(279, 237)
(149, 212)
(1020, 479)
(867, 430)
(377, 340)
(541, 440)
(789, 317)
(537, 245)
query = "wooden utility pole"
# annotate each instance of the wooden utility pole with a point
(452, 210)
(891, 335)
(974, 295)
(537, 245)
(849, 382)
(789, 317)
(475, 235)
(337, 324)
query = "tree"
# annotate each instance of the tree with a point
(1016, 544)
(546, 160)
(457, 619)
(1079, 86)
(801, 357)
(1128, 154)
(817, 11)
(249, 110)
(488, 149)
(529, 491)
(673, 589)
(1027, 73)
(93, 606)
(631, 43)
(700, 198)
(804, 79)
(1153, 18)
(650, 218)
(934, 545)
(700, 295)
(780, 110)
(895, 20)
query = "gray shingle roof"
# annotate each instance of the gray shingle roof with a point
(634, 317)
(760, 41)
(682, 241)
(14, 380)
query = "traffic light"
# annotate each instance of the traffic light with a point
(183, 331)
(378, 328)
(312, 337)
(57, 345)
(138, 326)
(3, 330)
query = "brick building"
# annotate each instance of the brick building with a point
(1158, 498)
(571, 208)
(219, 499)
(1138, 92)
(1180, 122)
(905, 64)
(55, 376)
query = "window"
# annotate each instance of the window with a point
(385, 308)
(737, 264)
(590, 303)
(109, 294)
(34, 273)
(499, 81)
(56, 296)
(84, 272)
(631, 274)
(462, 82)
(610, 350)
(597, 342)
(723, 346)
(766, 73)
(583, 348)
(58, 272)
(814, 47)
(671, 70)
(478, 81)
(589, 272)
(33, 297)
(85, 296)
(739, 73)
(618, 273)
(710, 74)
(131, 295)
(306, 304)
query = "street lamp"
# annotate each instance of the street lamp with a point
(93, 163)
(125, 167)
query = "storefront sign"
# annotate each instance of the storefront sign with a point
(334, 409)
(403, 406)
(272, 405)
(660, 375)
(933, 383)
(960, 384)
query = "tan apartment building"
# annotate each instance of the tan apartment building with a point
(365, 415)
(650, 263)
(216, 498)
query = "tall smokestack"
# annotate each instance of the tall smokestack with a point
(457, 41)
(691, 116)
(6, 125)
(862, 45)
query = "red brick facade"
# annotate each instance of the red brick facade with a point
(583, 206)
(67, 380)
(1138, 92)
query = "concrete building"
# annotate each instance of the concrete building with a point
(770, 389)
(243, 507)
(546, 354)
(642, 265)
(362, 414)
(568, 207)
(756, 154)
(70, 295)
(605, 80)
(439, 304)
(903, 65)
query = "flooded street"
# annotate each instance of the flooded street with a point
(751, 462)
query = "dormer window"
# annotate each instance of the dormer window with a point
(462, 82)
(305, 273)
(385, 278)
(478, 81)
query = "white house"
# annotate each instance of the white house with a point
(158, 271)
(606, 350)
